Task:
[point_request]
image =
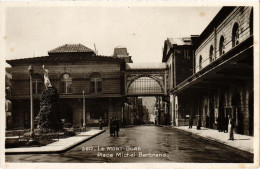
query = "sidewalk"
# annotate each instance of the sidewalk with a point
(243, 143)
(58, 146)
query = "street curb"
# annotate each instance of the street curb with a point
(58, 151)
(243, 153)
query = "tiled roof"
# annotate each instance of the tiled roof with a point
(63, 59)
(71, 48)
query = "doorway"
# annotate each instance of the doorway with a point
(237, 115)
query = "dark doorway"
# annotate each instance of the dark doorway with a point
(237, 115)
(221, 114)
(211, 112)
(66, 112)
(97, 112)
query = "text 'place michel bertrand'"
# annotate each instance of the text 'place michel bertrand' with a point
(122, 152)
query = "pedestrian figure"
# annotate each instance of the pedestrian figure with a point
(226, 124)
(219, 125)
(207, 121)
(116, 127)
(100, 123)
(111, 130)
(190, 122)
(198, 123)
(230, 128)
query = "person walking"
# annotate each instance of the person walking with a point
(100, 123)
(190, 122)
(230, 128)
(111, 130)
(116, 127)
(226, 124)
(198, 123)
(219, 124)
(207, 121)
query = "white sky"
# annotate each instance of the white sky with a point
(142, 30)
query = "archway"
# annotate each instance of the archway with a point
(211, 112)
(221, 114)
(221, 46)
(145, 85)
(237, 115)
(235, 35)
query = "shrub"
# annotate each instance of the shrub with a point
(48, 117)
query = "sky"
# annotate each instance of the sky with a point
(33, 31)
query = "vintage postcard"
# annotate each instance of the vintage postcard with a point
(130, 84)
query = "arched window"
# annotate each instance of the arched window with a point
(251, 23)
(145, 85)
(211, 54)
(66, 82)
(37, 84)
(200, 62)
(95, 83)
(221, 46)
(235, 35)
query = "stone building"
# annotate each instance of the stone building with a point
(73, 68)
(178, 54)
(222, 79)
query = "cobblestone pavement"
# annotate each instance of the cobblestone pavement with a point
(141, 144)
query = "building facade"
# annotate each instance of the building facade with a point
(79, 75)
(222, 79)
(178, 54)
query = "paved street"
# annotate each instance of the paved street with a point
(140, 144)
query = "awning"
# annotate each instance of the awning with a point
(232, 69)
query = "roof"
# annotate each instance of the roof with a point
(120, 51)
(63, 59)
(120, 46)
(177, 42)
(180, 41)
(146, 65)
(71, 48)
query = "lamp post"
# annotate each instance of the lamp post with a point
(30, 69)
(84, 113)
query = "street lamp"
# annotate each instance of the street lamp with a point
(30, 69)
(84, 113)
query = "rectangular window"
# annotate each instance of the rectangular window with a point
(37, 87)
(92, 86)
(63, 87)
(68, 88)
(95, 85)
(99, 86)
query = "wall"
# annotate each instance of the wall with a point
(183, 63)
(110, 74)
(240, 93)
(240, 15)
